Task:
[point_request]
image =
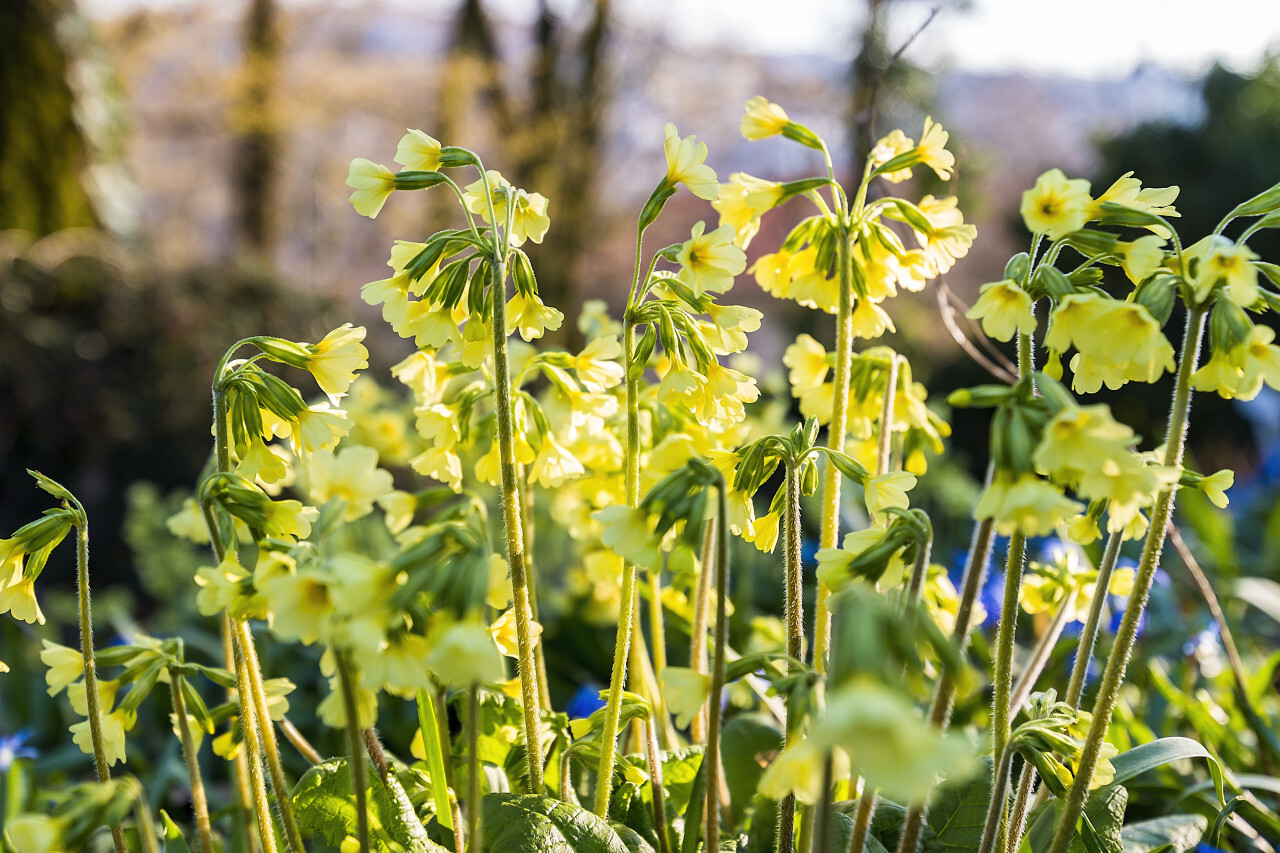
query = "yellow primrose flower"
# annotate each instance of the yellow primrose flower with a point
(887, 148)
(1056, 206)
(834, 563)
(1128, 191)
(742, 202)
(290, 518)
(1028, 504)
(316, 428)
(554, 464)
(18, 594)
(398, 665)
(1083, 529)
(685, 165)
(261, 463)
(66, 665)
(763, 119)
(301, 605)
(808, 362)
(429, 325)
(818, 401)
(727, 331)
(219, 586)
(1142, 257)
(628, 533)
(1079, 440)
(332, 710)
(1215, 487)
(418, 152)
(399, 508)
(932, 149)
(708, 262)
(597, 365)
(685, 692)
(187, 523)
(498, 593)
(949, 238)
(797, 770)
(886, 491)
(870, 320)
(351, 474)
(335, 360)
(372, 183)
(531, 317)
(444, 465)
(113, 727)
(764, 531)
(1217, 259)
(1005, 309)
(464, 655)
(34, 833)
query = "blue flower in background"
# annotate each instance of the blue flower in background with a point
(585, 702)
(1207, 848)
(14, 747)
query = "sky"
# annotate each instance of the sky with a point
(1084, 38)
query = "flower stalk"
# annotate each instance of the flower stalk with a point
(191, 756)
(795, 633)
(711, 834)
(1089, 634)
(1126, 634)
(355, 748)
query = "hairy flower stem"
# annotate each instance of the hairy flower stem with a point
(146, 823)
(473, 769)
(920, 568)
(539, 659)
(249, 734)
(975, 572)
(270, 749)
(862, 820)
(1021, 802)
(514, 522)
(795, 637)
(191, 756)
(1122, 647)
(836, 431)
(92, 700)
(711, 834)
(884, 451)
(655, 783)
(698, 633)
(243, 793)
(626, 609)
(355, 748)
(1089, 634)
(999, 801)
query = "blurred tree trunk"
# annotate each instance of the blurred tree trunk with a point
(44, 153)
(257, 134)
(869, 64)
(549, 144)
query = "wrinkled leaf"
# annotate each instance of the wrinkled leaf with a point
(958, 813)
(527, 823)
(323, 803)
(1105, 811)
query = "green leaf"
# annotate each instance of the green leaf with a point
(1179, 832)
(1105, 811)
(173, 840)
(958, 813)
(528, 823)
(323, 802)
(762, 836)
(1262, 593)
(51, 486)
(1149, 756)
(748, 743)
(633, 840)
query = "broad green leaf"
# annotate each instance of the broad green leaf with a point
(634, 841)
(1181, 832)
(884, 832)
(1105, 811)
(527, 823)
(1149, 756)
(958, 813)
(173, 840)
(323, 802)
(748, 744)
(628, 808)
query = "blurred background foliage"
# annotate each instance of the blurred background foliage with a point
(171, 180)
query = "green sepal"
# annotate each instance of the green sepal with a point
(417, 180)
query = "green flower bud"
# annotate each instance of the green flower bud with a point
(1018, 267)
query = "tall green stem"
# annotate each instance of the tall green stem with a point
(355, 748)
(698, 633)
(626, 609)
(92, 700)
(1021, 802)
(1113, 678)
(249, 734)
(711, 834)
(975, 572)
(473, 769)
(1089, 635)
(512, 515)
(655, 784)
(884, 451)
(862, 820)
(199, 802)
(836, 431)
(270, 748)
(794, 595)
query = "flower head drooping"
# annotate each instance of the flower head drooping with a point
(1056, 206)
(763, 119)
(742, 202)
(335, 360)
(1005, 309)
(686, 165)
(372, 183)
(418, 152)
(932, 149)
(887, 148)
